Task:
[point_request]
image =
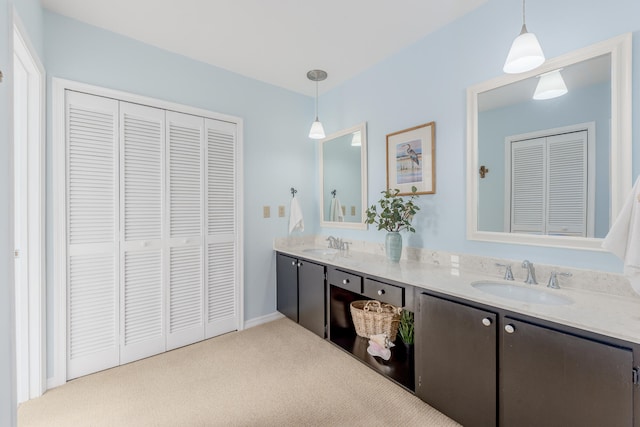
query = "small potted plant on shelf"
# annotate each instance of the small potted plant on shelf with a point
(405, 330)
(395, 215)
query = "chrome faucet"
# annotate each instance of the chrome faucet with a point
(508, 274)
(333, 242)
(531, 273)
(553, 279)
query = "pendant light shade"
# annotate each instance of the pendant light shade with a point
(551, 85)
(525, 53)
(317, 130)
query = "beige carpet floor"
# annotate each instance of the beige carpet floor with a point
(276, 374)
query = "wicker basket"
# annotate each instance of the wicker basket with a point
(371, 317)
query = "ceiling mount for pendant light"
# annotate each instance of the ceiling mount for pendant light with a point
(317, 131)
(525, 53)
(551, 85)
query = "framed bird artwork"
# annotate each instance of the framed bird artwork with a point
(411, 159)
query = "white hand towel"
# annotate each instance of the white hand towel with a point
(623, 240)
(335, 213)
(296, 221)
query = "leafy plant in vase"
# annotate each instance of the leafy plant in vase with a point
(395, 215)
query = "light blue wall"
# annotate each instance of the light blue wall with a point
(428, 80)
(30, 13)
(277, 151)
(578, 106)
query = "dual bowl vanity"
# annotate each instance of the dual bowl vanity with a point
(487, 351)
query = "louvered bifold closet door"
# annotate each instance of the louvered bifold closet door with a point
(92, 233)
(142, 131)
(185, 192)
(221, 278)
(567, 184)
(528, 184)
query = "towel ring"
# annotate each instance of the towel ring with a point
(293, 192)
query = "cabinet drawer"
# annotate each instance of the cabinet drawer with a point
(384, 292)
(348, 281)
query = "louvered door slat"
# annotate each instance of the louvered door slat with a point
(527, 186)
(92, 226)
(221, 209)
(142, 140)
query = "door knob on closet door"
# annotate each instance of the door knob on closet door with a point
(510, 328)
(487, 321)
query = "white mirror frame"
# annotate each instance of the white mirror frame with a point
(621, 141)
(362, 127)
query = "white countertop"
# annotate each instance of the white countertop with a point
(610, 315)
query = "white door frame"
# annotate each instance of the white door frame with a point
(30, 300)
(59, 86)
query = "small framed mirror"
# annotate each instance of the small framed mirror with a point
(551, 170)
(343, 178)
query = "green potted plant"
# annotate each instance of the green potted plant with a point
(395, 215)
(405, 329)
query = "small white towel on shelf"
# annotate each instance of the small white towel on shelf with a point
(335, 211)
(296, 221)
(623, 240)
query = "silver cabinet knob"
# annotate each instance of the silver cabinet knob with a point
(381, 292)
(486, 321)
(299, 264)
(510, 328)
(345, 281)
(293, 263)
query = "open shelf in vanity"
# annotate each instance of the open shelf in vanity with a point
(341, 331)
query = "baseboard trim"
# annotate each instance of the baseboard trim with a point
(262, 319)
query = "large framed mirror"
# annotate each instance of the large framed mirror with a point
(343, 178)
(555, 171)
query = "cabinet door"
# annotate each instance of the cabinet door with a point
(456, 360)
(550, 378)
(287, 286)
(311, 297)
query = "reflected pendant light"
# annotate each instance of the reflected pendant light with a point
(551, 85)
(317, 131)
(525, 53)
(356, 139)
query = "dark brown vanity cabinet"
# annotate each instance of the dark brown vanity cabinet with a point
(551, 378)
(301, 292)
(455, 361)
(485, 368)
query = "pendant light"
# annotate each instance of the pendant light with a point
(551, 85)
(317, 131)
(525, 53)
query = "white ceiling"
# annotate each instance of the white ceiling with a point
(275, 41)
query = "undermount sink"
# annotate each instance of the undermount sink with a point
(321, 251)
(523, 293)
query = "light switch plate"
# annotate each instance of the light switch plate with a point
(266, 211)
(281, 211)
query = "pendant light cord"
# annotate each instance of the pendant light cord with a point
(316, 100)
(523, 7)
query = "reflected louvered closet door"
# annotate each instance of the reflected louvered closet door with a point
(528, 183)
(92, 233)
(221, 245)
(185, 153)
(567, 184)
(142, 131)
